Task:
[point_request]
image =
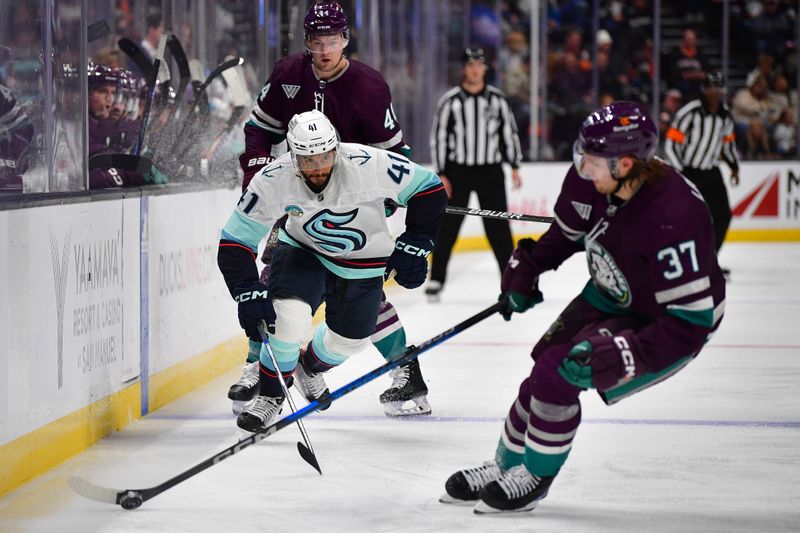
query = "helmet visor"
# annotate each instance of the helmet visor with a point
(311, 164)
(589, 167)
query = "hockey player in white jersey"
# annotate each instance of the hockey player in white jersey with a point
(335, 247)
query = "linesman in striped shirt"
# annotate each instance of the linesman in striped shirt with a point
(473, 134)
(700, 135)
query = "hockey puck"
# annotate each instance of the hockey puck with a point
(131, 500)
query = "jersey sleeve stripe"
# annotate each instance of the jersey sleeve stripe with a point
(570, 233)
(397, 138)
(266, 117)
(422, 180)
(429, 191)
(234, 245)
(257, 122)
(244, 230)
(687, 289)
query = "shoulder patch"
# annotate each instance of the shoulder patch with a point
(290, 90)
(584, 210)
(294, 210)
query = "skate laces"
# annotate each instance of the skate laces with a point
(313, 382)
(249, 375)
(481, 475)
(265, 406)
(518, 481)
(400, 376)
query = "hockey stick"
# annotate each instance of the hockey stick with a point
(138, 56)
(151, 90)
(133, 498)
(179, 55)
(97, 30)
(306, 450)
(133, 163)
(483, 213)
(503, 215)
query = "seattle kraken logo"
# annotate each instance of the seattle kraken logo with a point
(328, 231)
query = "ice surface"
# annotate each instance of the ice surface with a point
(715, 448)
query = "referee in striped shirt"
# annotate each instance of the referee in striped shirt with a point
(701, 133)
(473, 133)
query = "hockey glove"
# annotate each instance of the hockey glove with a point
(254, 306)
(519, 287)
(603, 362)
(408, 264)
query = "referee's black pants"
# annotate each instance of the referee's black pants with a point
(489, 182)
(712, 186)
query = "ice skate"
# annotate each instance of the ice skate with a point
(243, 391)
(433, 290)
(261, 413)
(518, 490)
(408, 394)
(464, 486)
(312, 384)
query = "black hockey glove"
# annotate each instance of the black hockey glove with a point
(254, 305)
(408, 264)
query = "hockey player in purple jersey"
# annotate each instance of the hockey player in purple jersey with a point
(358, 102)
(655, 296)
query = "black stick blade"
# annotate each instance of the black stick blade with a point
(97, 30)
(308, 456)
(130, 162)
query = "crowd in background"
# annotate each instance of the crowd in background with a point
(763, 49)
(761, 86)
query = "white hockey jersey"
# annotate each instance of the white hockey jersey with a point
(345, 224)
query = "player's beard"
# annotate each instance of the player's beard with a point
(321, 180)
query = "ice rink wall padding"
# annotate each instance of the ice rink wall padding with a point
(112, 306)
(71, 337)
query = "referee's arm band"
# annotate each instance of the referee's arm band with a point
(676, 135)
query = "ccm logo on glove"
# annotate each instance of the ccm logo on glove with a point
(411, 249)
(627, 356)
(251, 295)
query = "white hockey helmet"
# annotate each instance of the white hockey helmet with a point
(313, 141)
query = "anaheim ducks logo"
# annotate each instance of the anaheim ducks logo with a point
(606, 274)
(624, 121)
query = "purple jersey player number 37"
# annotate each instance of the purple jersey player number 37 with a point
(655, 296)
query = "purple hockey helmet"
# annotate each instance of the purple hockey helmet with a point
(102, 75)
(616, 130)
(325, 18)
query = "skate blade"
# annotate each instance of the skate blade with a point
(420, 407)
(449, 500)
(483, 508)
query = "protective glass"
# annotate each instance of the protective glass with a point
(325, 44)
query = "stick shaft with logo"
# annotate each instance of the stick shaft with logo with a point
(133, 498)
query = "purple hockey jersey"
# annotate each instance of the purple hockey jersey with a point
(357, 101)
(652, 256)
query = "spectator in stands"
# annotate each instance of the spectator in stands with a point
(687, 66)
(785, 135)
(154, 27)
(757, 141)
(607, 81)
(639, 17)
(617, 59)
(751, 103)
(778, 98)
(772, 29)
(765, 67)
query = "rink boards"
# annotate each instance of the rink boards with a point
(110, 309)
(113, 308)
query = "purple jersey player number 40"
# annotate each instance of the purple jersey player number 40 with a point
(655, 296)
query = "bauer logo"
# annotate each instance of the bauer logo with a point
(59, 256)
(294, 211)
